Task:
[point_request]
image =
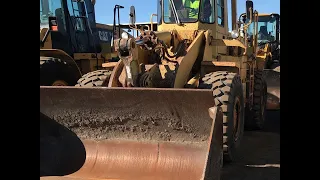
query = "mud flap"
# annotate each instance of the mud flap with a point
(272, 77)
(129, 133)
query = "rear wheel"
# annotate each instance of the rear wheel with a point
(59, 83)
(95, 79)
(57, 72)
(228, 93)
(256, 118)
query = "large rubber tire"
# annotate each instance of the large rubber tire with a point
(228, 93)
(256, 118)
(97, 78)
(57, 71)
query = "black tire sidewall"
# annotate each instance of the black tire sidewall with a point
(52, 70)
(264, 93)
(93, 78)
(236, 92)
(255, 118)
(218, 81)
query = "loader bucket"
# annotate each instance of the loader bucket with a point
(129, 133)
(272, 77)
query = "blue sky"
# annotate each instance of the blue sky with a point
(144, 8)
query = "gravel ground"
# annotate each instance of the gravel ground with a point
(259, 154)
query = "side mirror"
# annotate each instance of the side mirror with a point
(242, 19)
(249, 7)
(132, 16)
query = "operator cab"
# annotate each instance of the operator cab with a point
(72, 25)
(268, 33)
(187, 11)
(268, 29)
(193, 15)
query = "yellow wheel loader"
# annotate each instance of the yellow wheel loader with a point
(71, 42)
(269, 53)
(174, 106)
(269, 39)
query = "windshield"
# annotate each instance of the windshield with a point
(267, 29)
(49, 8)
(188, 11)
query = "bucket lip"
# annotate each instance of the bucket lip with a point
(127, 88)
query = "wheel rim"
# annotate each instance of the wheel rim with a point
(236, 119)
(59, 83)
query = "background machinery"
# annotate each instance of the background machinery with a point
(174, 106)
(269, 39)
(269, 51)
(71, 42)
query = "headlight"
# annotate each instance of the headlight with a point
(234, 34)
(124, 35)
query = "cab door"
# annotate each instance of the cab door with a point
(80, 35)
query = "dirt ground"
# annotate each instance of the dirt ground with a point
(259, 154)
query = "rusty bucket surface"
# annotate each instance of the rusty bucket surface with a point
(272, 77)
(129, 133)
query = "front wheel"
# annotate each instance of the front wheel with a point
(57, 72)
(228, 94)
(256, 118)
(97, 78)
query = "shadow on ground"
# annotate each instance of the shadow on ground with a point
(259, 154)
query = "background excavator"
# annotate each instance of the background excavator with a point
(71, 42)
(174, 107)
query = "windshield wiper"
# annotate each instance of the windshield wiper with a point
(175, 13)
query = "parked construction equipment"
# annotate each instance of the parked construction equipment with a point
(269, 51)
(71, 42)
(174, 106)
(269, 39)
